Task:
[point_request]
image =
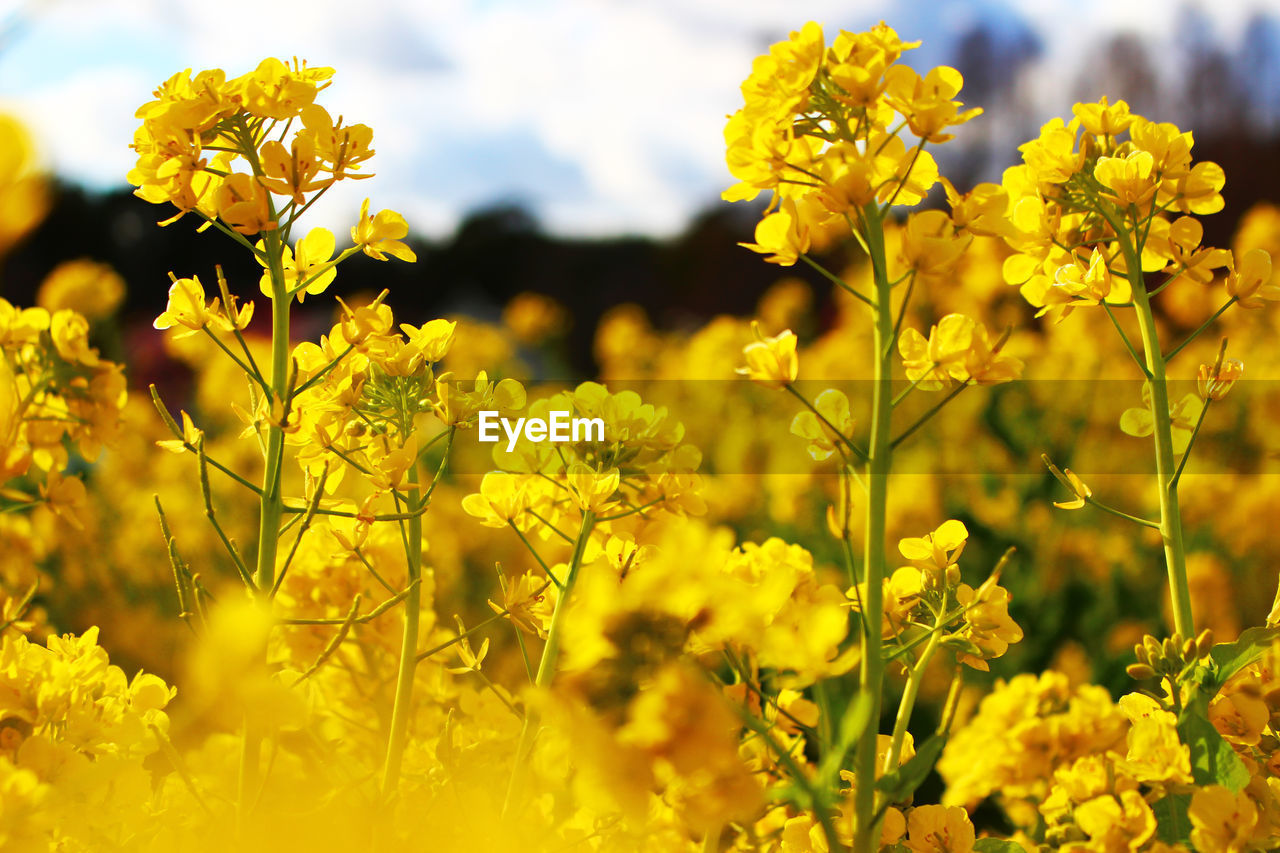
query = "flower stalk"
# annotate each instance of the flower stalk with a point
(1162, 434)
(879, 453)
(271, 500)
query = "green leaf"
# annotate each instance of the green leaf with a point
(1233, 657)
(1213, 761)
(902, 783)
(856, 718)
(1173, 826)
(997, 845)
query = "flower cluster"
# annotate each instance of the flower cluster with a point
(208, 144)
(56, 392)
(822, 128)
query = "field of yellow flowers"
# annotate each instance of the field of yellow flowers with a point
(938, 574)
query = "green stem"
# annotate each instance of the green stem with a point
(1206, 324)
(550, 655)
(551, 652)
(908, 701)
(822, 697)
(811, 794)
(1186, 454)
(937, 407)
(1154, 525)
(1133, 353)
(1170, 517)
(880, 451)
(271, 503)
(837, 280)
(400, 711)
(836, 433)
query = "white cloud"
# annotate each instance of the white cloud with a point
(621, 101)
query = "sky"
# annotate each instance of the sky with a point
(600, 116)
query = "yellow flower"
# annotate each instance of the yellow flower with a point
(274, 90)
(21, 325)
(936, 553)
(851, 179)
(186, 307)
(308, 261)
(70, 334)
(926, 102)
(1103, 118)
(66, 496)
(833, 405)
(986, 622)
(501, 499)
(957, 350)
(291, 171)
(1170, 146)
(593, 490)
(432, 339)
(244, 205)
(471, 660)
(456, 406)
(771, 361)
(1251, 286)
(341, 149)
(1214, 381)
(24, 194)
(191, 435)
(1130, 178)
(1220, 820)
(931, 245)
(986, 364)
(361, 324)
(1239, 715)
(1138, 422)
(690, 733)
(1196, 191)
(1077, 284)
(528, 602)
(1125, 822)
(1155, 754)
(782, 235)
(760, 154)
(379, 235)
(939, 829)
(1052, 157)
(981, 210)
(533, 317)
(779, 83)
(93, 289)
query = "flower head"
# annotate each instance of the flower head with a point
(379, 235)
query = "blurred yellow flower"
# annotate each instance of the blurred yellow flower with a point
(93, 289)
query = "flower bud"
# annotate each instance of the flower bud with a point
(1154, 652)
(1140, 671)
(1204, 643)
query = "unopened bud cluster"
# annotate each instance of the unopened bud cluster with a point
(1168, 657)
